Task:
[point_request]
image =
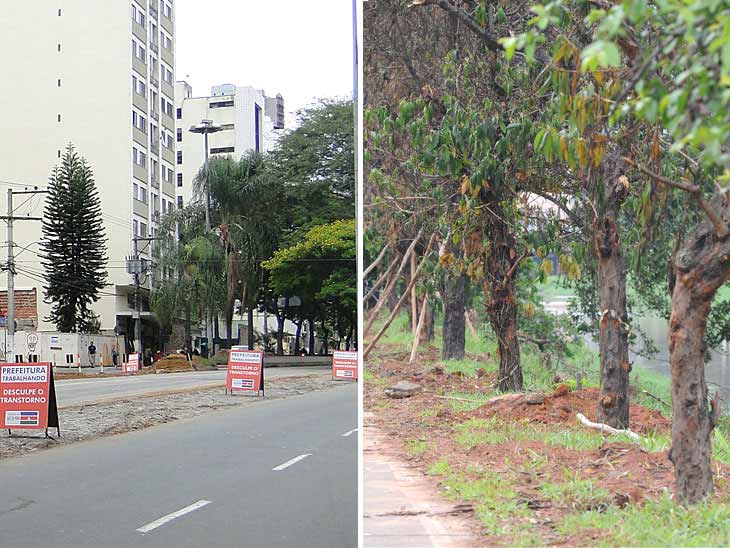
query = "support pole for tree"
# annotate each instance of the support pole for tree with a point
(414, 299)
(375, 263)
(419, 327)
(389, 288)
(382, 279)
(403, 298)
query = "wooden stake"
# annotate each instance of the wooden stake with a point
(414, 299)
(417, 337)
(400, 302)
(391, 285)
(469, 324)
(375, 263)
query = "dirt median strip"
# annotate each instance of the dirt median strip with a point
(86, 421)
(143, 395)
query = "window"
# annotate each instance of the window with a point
(222, 150)
(179, 134)
(143, 195)
(139, 157)
(167, 75)
(167, 107)
(139, 86)
(139, 52)
(143, 229)
(179, 179)
(221, 104)
(166, 173)
(179, 157)
(166, 41)
(135, 227)
(167, 10)
(164, 206)
(138, 16)
(179, 114)
(135, 195)
(59, 82)
(59, 117)
(179, 202)
(59, 46)
(139, 121)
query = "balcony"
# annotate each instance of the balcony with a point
(155, 183)
(155, 47)
(155, 82)
(153, 11)
(155, 115)
(156, 216)
(155, 148)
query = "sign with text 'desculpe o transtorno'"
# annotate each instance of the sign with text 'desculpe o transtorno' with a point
(344, 365)
(28, 397)
(245, 370)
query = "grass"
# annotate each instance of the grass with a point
(576, 493)
(477, 399)
(416, 448)
(655, 523)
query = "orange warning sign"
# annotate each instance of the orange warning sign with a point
(344, 365)
(245, 370)
(27, 396)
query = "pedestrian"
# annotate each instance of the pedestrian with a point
(115, 356)
(92, 354)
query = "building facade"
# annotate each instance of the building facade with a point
(249, 121)
(99, 75)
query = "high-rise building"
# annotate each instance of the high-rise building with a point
(248, 120)
(99, 75)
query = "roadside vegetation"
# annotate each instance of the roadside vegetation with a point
(532, 478)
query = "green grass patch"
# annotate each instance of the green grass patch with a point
(440, 468)
(476, 399)
(576, 493)
(655, 523)
(416, 448)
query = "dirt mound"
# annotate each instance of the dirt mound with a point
(172, 363)
(561, 407)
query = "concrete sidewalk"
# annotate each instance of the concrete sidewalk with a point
(402, 505)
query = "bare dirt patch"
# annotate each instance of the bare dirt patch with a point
(86, 422)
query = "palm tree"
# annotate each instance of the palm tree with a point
(244, 196)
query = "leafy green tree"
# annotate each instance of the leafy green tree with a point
(320, 270)
(316, 162)
(73, 245)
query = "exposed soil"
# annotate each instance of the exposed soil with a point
(84, 422)
(628, 472)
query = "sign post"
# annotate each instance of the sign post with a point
(344, 365)
(131, 365)
(245, 370)
(28, 397)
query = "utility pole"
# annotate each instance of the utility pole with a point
(138, 266)
(10, 320)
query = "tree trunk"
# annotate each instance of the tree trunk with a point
(429, 327)
(613, 401)
(297, 346)
(280, 319)
(310, 350)
(453, 332)
(502, 265)
(250, 330)
(701, 268)
(188, 330)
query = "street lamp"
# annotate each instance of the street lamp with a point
(206, 127)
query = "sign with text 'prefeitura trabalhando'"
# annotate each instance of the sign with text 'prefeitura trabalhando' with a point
(245, 370)
(132, 364)
(27, 396)
(344, 365)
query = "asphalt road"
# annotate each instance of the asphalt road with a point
(213, 476)
(78, 391)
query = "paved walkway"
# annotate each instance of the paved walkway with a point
(402, 506)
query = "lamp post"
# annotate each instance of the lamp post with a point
(206, 127)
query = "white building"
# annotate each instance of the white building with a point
(249, 121)
(99, 75)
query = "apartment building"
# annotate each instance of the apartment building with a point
(249, 120)
(100, 75)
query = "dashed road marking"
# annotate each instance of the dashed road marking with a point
(288, 463)
(169, 517)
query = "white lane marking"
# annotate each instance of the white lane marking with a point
(288, 463)
(169, 517)
(350, 432)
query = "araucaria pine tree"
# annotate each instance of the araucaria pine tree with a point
(73, 246)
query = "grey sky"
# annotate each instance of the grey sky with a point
(302, 50)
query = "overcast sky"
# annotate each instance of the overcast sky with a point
(302, 50)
